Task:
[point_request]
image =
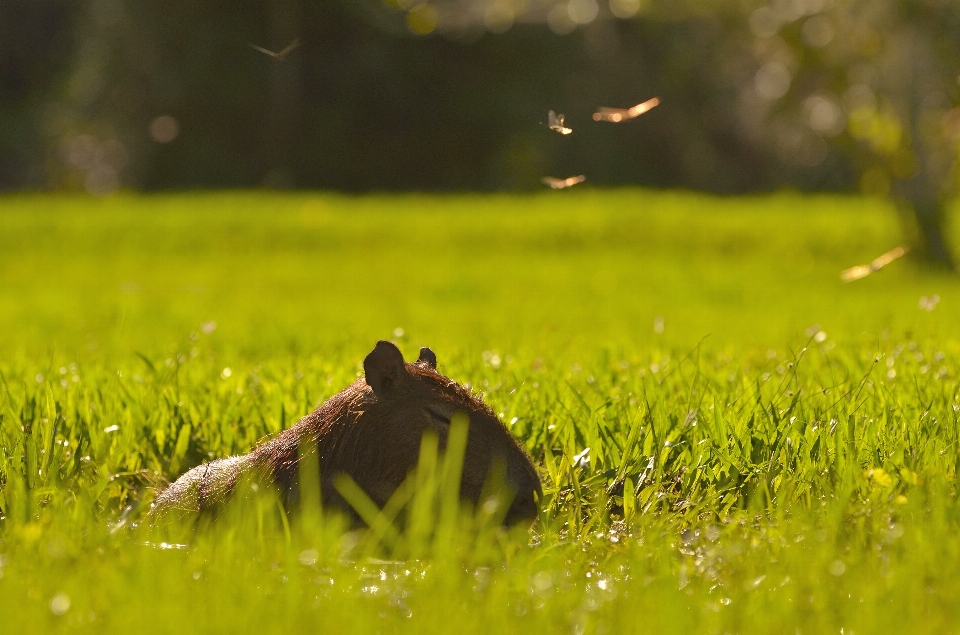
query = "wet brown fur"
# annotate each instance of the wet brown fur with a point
(372, 432)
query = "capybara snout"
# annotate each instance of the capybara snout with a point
(372, 432)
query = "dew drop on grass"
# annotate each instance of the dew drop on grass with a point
(542, 581)
(837, 568)
(582, 459)
(60, 604)
(169, 546)
(308, 557)
(226, 372)
(929, 303)
(490, 506)
(492, 358)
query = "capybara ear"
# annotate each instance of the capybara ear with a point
(427, 358)
(382, 367)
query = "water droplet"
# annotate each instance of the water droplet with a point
(60, 604)
(308, 557)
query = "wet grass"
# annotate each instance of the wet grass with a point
(770, 450)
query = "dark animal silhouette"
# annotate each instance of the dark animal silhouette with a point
(372, 431)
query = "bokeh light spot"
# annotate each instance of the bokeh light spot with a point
(81, 151)
(859, 97)
(772, 81)
(764, 22)
(583, 11)
(823, 115)
(164, 129)
(101, 180)
(422, 19)
(559, 21)
(624, 9)
(498, 18)
(817, 31)
(60, 604)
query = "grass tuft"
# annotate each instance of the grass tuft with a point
(730, 438)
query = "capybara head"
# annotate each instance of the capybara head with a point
(402, 401)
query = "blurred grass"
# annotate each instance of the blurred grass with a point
(467, 271)
(790, 442)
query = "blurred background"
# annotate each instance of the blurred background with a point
(839, 95)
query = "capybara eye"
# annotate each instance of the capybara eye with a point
(437, 416)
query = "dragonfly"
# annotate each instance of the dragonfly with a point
(616, 115)
(559, 184)
(278, 56)
(555, 122)
(862, 271)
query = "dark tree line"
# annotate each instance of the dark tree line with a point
(453, 94)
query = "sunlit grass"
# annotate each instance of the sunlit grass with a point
(730, 438)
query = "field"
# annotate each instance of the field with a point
(770, 450)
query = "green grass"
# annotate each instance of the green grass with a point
(791, 441)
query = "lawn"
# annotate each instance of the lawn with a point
(771, 450)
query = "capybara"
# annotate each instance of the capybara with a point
(372, 431)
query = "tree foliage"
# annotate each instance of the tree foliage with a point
(450, 94)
